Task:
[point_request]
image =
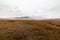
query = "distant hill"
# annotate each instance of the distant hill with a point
(29, 18)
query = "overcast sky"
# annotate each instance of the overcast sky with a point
(42, 8)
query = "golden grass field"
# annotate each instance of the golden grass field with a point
(29, 29)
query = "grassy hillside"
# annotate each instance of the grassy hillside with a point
(29, 30)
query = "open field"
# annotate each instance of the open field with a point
(30, 29)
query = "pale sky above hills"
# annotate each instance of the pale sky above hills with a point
(33, 8)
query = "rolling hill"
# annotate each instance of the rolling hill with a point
(30, 29)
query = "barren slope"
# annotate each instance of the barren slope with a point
(29, 30)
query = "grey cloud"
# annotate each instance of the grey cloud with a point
(43, 8)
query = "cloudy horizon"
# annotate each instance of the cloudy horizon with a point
(33, 8)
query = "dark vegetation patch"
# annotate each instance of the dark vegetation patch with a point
(58, 25)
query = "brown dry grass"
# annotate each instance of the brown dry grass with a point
(29, 30)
